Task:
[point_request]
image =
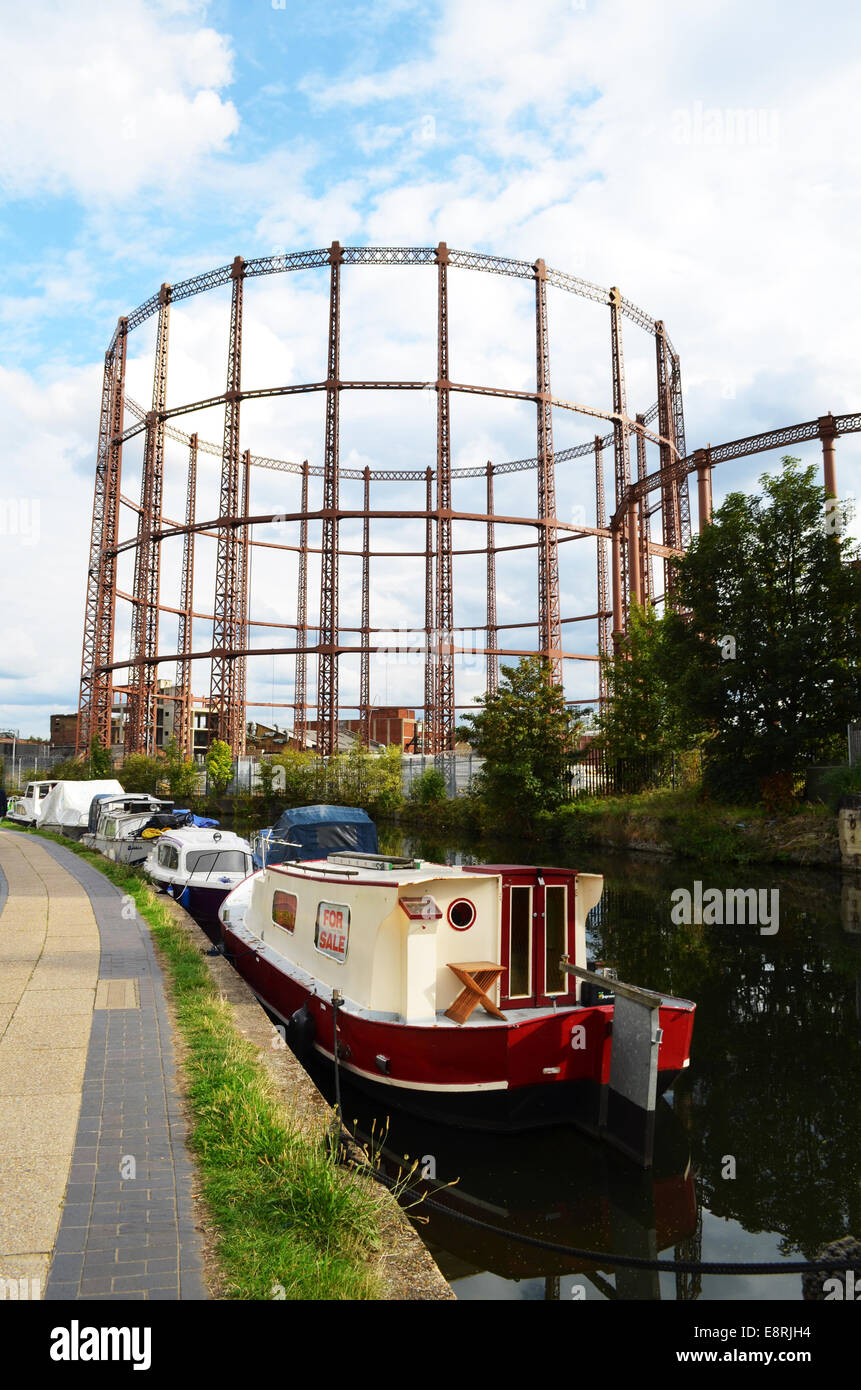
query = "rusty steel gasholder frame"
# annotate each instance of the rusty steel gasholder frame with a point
(631, 546)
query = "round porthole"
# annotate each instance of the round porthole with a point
(461, 914)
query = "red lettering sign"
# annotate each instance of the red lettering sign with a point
(333, 930)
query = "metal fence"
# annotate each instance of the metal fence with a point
(854, 739)
(32, 762)
(595, 774)
(458, 769)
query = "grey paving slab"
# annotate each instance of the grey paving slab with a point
(122, 1237)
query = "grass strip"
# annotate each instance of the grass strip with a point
(289, 1222)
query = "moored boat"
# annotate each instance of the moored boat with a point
(66, 808)
(198, 866)
(449, 995)
(312, 832)
(25, 809)
(119, 821)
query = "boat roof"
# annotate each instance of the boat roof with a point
(383, 870)
(524, 869)
(203, 837)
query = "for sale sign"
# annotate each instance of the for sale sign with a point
(333, 930)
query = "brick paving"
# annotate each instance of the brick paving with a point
(122, 1236)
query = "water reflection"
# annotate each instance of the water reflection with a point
(774, 1084)
(775, 1075)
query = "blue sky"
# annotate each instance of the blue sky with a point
(145, 141)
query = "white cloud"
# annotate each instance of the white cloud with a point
(102, 99)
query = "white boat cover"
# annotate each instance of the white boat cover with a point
(69, 802)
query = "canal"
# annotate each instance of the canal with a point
(757, 1151)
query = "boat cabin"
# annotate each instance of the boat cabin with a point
(199, 853)
(392, 934)
(312, 832)
(26, 808)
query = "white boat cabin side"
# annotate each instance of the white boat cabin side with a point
(387, 936)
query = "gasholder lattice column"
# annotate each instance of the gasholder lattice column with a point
(327, 681)
(549, 625)
(225, 719)
(300, 687)
(140, 728)
(186, 604)
(443, 728)
(492, 637)
(94, 709)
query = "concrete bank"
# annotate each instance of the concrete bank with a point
(95, 1178)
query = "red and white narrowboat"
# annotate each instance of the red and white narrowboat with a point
(450, 997)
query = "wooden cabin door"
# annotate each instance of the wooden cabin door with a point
(537, 930)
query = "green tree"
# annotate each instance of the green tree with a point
(526, 735)
(100, 762)
(765, 648)
(642, 713)
(266, 774)
(179, 770)
(385, 790)
(140, 773)
(429, 788)
(219, 765)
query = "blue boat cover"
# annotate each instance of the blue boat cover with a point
(318, 831)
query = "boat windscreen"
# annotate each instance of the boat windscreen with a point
(227, 861)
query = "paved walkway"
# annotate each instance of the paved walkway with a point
(95, 1178)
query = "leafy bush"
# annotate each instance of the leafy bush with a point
(429, 788)
(219, 765)
(180, 772)
(838, 782)
(140, 773)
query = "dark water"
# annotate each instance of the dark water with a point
(772, 1093)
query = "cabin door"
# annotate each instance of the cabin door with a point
(537, 930)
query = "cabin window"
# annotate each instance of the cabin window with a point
(555, 937)
(110, 829)
(461, 914)
(284, 911)
(168, 856)
(520, 943)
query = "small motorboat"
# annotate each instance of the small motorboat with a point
(66, 808)
(446, 990)
(198, 866)
(25, 809)
(312, 832)
(119, 821)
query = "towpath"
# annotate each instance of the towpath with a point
(95, 1177)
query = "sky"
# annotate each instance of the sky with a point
(703, 157)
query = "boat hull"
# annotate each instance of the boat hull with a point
(547, 1067)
